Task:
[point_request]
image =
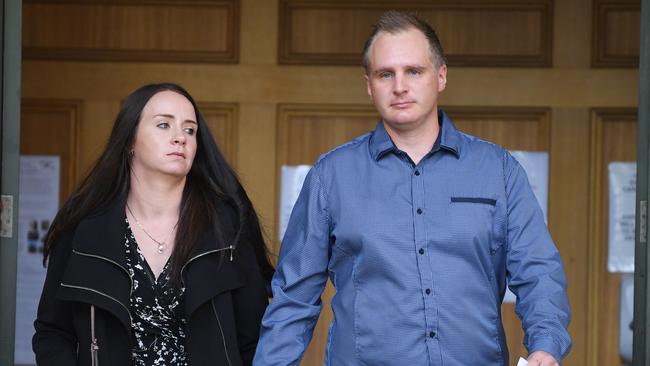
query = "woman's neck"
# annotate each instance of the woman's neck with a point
(156, 198)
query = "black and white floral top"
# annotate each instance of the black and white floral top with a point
(157, 310)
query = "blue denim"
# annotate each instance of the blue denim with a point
(419, 256)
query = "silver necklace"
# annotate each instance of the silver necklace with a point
(162, 245)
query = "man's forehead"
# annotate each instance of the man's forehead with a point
(402, 48)
(399, 33)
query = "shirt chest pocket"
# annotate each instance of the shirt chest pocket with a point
(477, 221)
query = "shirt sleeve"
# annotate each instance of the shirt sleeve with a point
(535, 270)
(299, 281)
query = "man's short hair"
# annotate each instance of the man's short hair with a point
(394, 22)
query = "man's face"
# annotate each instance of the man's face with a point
(402, 81)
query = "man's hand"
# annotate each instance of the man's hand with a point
(541, 358)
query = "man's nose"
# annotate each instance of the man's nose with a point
(399, 85)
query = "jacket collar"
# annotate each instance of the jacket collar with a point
(208, 272)
(101, 234)
(448, 138)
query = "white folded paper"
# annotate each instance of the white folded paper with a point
(522, 362)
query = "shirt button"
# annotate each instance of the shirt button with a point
(419, 211)
(417, 172)
(432, 334)
(428, 291)
(421, 251)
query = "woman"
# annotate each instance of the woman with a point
(157, 258)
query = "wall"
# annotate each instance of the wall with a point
(281, 83)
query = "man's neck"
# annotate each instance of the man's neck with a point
(416, 142)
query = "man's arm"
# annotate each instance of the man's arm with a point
(299, 281)
(535, 270)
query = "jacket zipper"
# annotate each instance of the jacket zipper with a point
(230, 247)
(110, 261)
(100, 293)
(94, 348)
(223, 336)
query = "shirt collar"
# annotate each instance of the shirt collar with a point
(448, 138)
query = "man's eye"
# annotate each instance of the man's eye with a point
(385, 75)
(414, 72)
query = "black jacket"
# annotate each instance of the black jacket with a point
(224, 299)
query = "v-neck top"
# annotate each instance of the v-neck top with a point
(157, 308)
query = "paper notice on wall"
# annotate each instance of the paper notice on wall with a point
(536, 166)
(622, 203)
(290, 185)
(37, 206)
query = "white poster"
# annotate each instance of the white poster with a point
(536, 166)
(37, 206)
(291, 184)
(622, 207)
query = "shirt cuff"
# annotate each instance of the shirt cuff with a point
(549, 345)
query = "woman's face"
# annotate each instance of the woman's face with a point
(165, 139)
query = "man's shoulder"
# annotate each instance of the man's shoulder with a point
(473, 145)
(352, 149)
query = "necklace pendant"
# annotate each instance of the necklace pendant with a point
(161, 248)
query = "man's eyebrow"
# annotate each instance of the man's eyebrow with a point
(382, 70)
(406, 67)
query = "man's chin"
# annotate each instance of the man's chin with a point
(400, 124)
(400, 119)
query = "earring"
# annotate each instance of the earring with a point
(131, 153)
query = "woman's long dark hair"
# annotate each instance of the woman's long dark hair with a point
(210, 182)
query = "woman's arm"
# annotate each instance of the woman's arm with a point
(250, 301)
(55, 341)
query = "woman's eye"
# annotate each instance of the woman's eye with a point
(163, 125)
(189, 130)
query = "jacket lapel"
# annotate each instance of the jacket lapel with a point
(96, 272)
(210, 270)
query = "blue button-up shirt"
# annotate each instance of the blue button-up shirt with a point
(419, 256)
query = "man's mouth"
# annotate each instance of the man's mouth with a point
(402, 104)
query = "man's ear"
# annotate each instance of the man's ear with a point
(442, 78)
(365, 76)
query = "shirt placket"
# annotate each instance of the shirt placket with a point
(419, 211)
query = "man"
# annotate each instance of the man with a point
(418, 226)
